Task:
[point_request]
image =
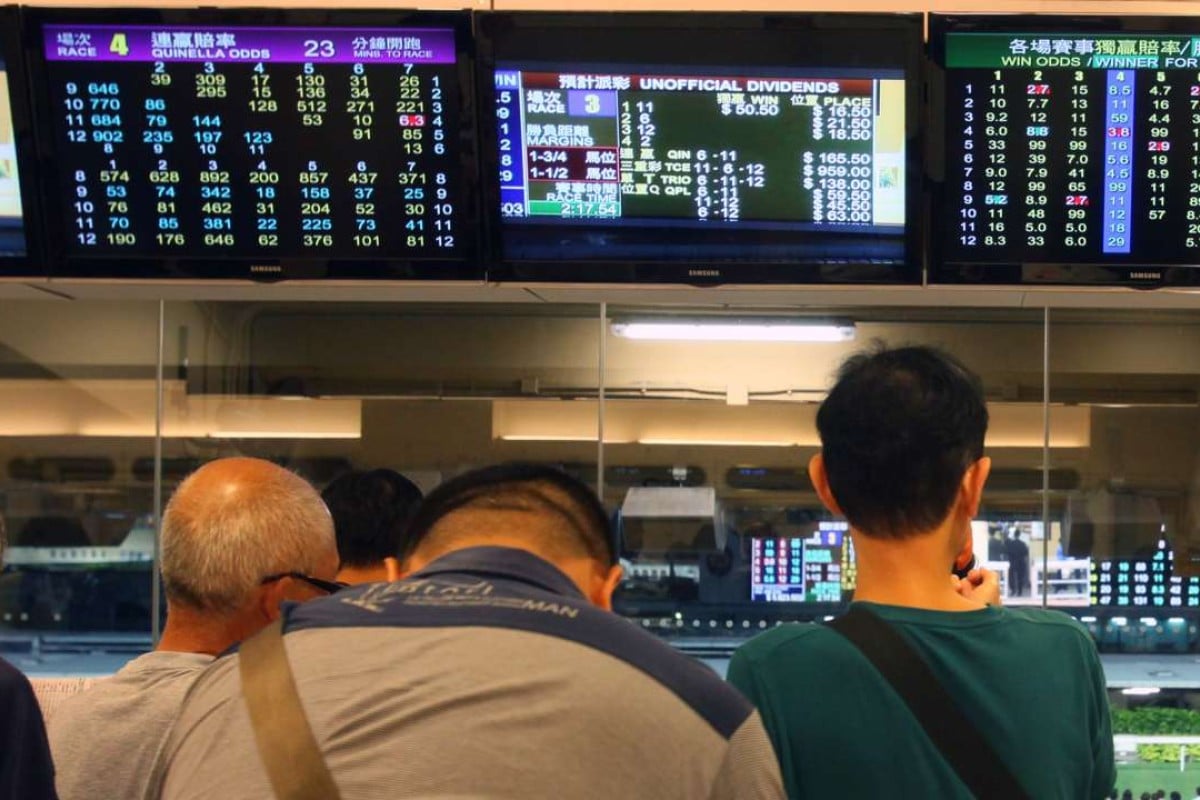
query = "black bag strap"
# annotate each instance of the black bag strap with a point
(962, 744)
(289, 750)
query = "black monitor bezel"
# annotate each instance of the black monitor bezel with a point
(1049, 274)
(32, 264)
(63, 264)
(667, 27)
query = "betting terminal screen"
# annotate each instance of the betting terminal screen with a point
(255, 145)
(14, 131)
(1148, 582)
(1072, 150)
(730, 149)
(818, 568)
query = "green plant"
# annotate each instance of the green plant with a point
(1165, 753)
(1157, 722)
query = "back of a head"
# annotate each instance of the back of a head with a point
(370, 512)
(556, 515)
(898, 431)
(232, 523)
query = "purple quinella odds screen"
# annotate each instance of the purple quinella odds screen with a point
(235, 141)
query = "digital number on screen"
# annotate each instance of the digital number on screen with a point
(1072, 148)
(818, 152)
(217, 142)
(819, 568)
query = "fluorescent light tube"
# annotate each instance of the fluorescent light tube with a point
(717, 442)
(715, 330)
(283, 434)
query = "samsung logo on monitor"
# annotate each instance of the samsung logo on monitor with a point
(1145, 276)
(704, 273)
(264, 269)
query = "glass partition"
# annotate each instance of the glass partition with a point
(707, 445)
(703, 465)
(77, 400)
(429, 391)
(1130, 517)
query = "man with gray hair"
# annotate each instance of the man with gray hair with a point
(239, 537)
(26, 770)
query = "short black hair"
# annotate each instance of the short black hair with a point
(370, 510)
(521, 486)
(898, 431)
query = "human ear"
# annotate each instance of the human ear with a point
(270, 596)
(820, 482)
(971, 489)
(604, 585)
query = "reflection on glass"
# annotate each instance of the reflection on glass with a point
(77, 401)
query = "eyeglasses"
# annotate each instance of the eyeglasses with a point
(329, 587)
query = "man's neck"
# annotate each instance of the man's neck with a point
(189, 631)
(912, 572)
(356, 575)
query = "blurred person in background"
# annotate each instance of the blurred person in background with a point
(370, 511)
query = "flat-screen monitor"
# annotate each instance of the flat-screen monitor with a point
(670, 522)
(1071, 150)
(702, 148)
(16, 203)
(257, 144)
(818, 568)
(1143, 583)
(667, 538)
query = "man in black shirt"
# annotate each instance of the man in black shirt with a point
(1018, 559)
(26, 771)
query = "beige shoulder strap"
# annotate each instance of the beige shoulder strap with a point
(286, 744)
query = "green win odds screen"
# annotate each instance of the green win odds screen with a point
(1067, 147)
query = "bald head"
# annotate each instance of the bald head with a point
(232, 523)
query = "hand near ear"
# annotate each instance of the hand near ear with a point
(982, 585)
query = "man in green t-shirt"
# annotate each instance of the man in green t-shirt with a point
(902, 459)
